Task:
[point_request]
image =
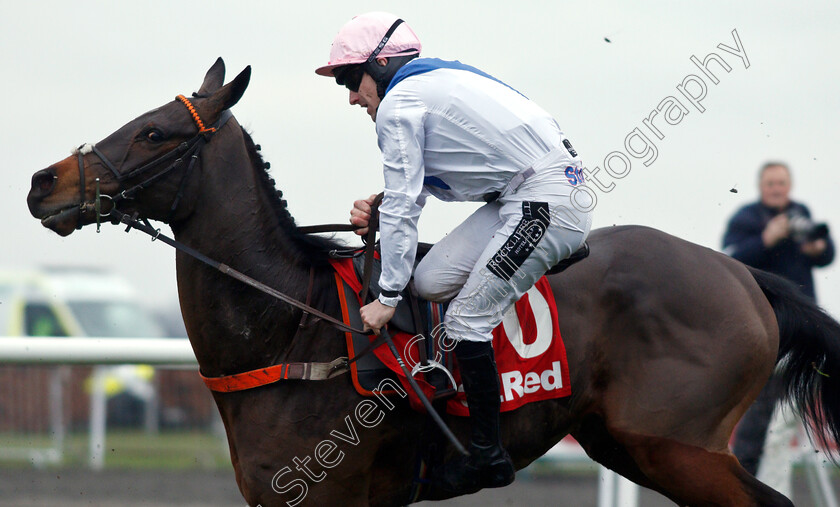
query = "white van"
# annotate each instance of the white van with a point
(72, 301)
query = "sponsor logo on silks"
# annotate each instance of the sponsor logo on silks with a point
(569, 148)
(514, 385)
(519, 245)
(434, 181)
(574, 175)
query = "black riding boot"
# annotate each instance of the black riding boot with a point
(488, 465)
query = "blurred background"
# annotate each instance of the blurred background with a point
(75, 72)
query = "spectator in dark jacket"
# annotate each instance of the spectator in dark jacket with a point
(776, 235)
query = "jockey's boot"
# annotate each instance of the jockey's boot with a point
(488, 465)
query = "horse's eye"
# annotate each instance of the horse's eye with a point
(155, 136)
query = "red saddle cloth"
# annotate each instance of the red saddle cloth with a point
(530, 354)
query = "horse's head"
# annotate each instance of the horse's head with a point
(157, 149)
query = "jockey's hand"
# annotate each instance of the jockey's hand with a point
(360, 214)
(375, 315)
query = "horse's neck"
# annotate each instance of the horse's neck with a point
(232, 327)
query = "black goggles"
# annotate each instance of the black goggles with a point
(349, 76)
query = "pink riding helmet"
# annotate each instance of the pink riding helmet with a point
(359, 37)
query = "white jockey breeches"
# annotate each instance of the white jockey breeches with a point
(500, 251)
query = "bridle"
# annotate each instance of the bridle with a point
(187, 150)
(190, 150)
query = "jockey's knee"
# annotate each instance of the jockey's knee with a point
(432, 288)
(436, 283)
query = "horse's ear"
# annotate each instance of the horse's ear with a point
(228, 95)
(214, 79)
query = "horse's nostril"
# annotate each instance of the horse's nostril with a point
(43, 181)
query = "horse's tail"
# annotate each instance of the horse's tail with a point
(809, 355)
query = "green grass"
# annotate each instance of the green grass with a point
(175, 450)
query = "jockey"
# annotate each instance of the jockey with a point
(451, 131)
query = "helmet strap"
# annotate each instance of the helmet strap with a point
(388, 34)
(382, 74)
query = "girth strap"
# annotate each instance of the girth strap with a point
(418, 324)
(272, 374)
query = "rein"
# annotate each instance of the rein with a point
(143, 225)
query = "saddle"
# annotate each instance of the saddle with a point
(413, 316)
(404, 318)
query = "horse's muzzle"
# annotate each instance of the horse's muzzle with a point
(60, 217)
(43, 183)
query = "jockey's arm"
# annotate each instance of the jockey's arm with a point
(399, 126)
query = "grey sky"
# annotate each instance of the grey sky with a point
(75, 71)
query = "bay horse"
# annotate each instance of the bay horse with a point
(668, 342)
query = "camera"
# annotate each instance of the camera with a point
(803, 229)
